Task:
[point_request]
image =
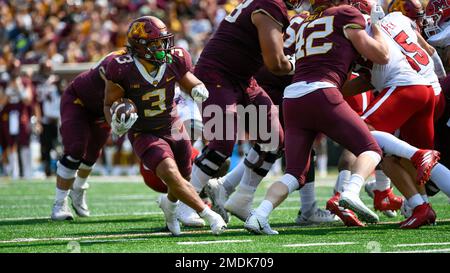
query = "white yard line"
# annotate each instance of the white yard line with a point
(320, 244)
(94, 215)
(214, 242)
(423, 244)
(423, 251)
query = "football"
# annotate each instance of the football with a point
(123, 106)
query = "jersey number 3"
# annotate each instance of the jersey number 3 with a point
(158, 106)
(304, 45)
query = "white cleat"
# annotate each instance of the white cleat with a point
(352, 202)
(217, 224)
(369, 188)
(218, 195)
(406, 210)
(240, 205)
(257, 224)
(188, 216)
(61, 211)
(79, 202)
(170, 214)
(316, 216)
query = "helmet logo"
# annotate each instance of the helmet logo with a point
(138, 31)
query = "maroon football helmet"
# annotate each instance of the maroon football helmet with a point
(365, 6)
(437, 16)
(148, 38)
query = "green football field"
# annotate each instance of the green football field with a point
(125, 218)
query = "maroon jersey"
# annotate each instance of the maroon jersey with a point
(234, 49)
(89, 86)
(152, 95)
(323, 52)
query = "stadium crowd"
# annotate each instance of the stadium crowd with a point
(50, 33)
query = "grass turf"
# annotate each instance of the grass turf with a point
(125, 218)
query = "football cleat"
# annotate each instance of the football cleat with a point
(257, 224)
(424, 161)
(170, 214)
(240, 205)
(218, 196)
(188, 216)
(347, 216)
(79, 203)
(352, 201)
(369, 188)
(386, 200)
(315, 216)
(422, 215)
(61, 211)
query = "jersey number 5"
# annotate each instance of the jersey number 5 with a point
(304, 45)
(414, 53)
(158, 106)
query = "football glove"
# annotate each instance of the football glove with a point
(120, 127)
(199, 93)
(376, 14)
(291, 59)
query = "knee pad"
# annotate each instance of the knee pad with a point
(88, 166)
(223, 170)
(67, 167)
(290, 181)
(210, 161)
(265, 161)
(376, 157)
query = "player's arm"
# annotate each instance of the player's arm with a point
(191, 85)
(356, 86)
(374, 49)
(438, 65)
(271, 41)
(113, 92)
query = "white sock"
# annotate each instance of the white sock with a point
(322, 162)
(233, 178)
(392, 145)
(207, 214)
(382, 182)
(25, 157)
(415, 200)
(199, 178)
(308, 196)
(354, 184)
(425, 198)
(344, 175)
(61, 195)
(79, 182)
(13, 159)
(265, 208)
(441, 177)
(246, 189)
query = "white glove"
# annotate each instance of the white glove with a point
(292, 60)
(199, 93)
(120, 127)
(376, 14)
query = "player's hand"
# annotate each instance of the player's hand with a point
(199, 93)
(376, 14)
(291, 59)
(121, 126)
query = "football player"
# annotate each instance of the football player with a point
(250, 37)
(239, 203)
(408, 83)
(327, 44)
(84, 132)
(147, 75)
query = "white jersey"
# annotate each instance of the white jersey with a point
(401, 34)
